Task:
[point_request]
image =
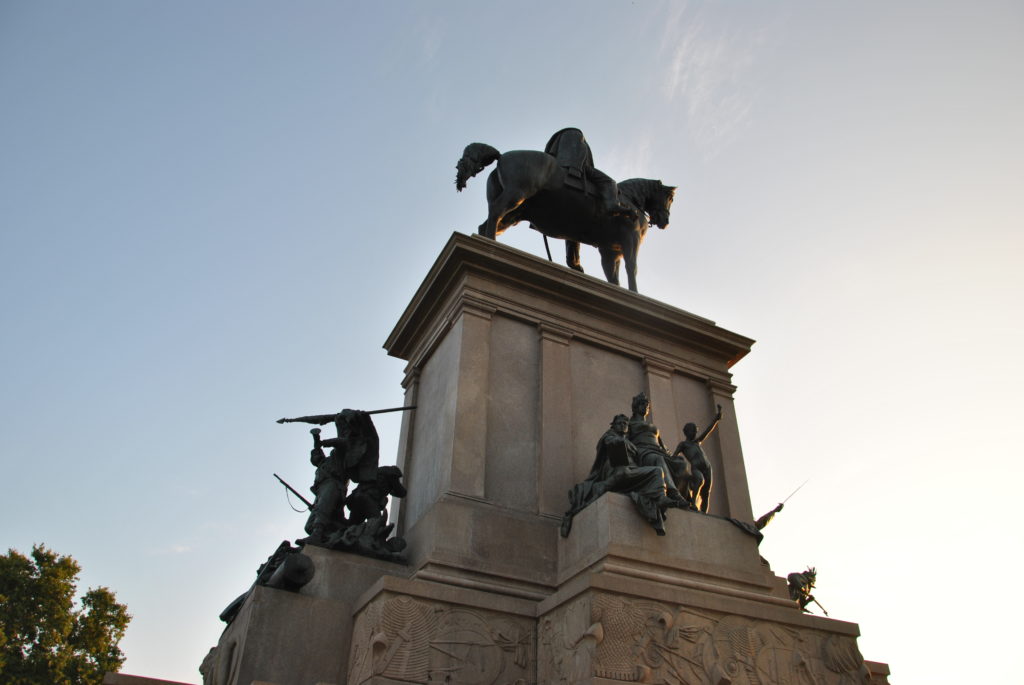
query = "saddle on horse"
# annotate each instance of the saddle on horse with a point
(570, 148)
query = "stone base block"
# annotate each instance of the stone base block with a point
(345, 576)
(698, 552)
(475, 544)
(298, 638)
(431, 634)
(283, 637)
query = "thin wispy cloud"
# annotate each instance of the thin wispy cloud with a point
(630, 160)
(706, 67)
(431, 33)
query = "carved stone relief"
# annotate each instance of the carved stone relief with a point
(637, 641)
(408, 640)
(566, 645)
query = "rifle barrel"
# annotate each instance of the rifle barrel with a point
(295, 492)
(385, 411)
(795, 491)
(820, 607)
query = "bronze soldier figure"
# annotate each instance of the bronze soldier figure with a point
(800, 586)
(353, 457)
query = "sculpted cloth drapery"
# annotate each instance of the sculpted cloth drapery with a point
(573, 153)
(615, 470)
(651, 451)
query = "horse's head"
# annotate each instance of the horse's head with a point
(653, 197)
(659, 204)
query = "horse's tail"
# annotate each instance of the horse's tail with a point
(475, 158)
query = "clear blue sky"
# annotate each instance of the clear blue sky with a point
(211, 215)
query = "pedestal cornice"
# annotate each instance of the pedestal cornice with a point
(561, 298)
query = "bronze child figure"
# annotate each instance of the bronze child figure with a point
(700, 467)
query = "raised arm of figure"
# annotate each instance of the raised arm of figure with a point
(316, 455)
(712, 427)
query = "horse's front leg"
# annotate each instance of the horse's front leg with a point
(610, 263)
(629, 252)
(572, 255)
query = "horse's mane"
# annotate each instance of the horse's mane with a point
(638, 190)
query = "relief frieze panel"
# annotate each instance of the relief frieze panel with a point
(409, 640)
(637, 641)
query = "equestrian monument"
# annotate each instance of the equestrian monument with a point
(549, 532)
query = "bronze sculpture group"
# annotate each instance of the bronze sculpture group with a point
(632, 459)
(353, 458)
(562, 195)
(617, 469)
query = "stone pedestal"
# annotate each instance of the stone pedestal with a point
(302, 638)
(517, 366)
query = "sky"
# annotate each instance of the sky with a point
(212, 215)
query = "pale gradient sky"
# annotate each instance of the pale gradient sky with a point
(211, 215)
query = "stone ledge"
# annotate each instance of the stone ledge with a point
(448, 594)
(346, 575)
(694, 544)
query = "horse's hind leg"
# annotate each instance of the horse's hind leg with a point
(572, 255)
(610, 263)
(498, 209)
(488, 228)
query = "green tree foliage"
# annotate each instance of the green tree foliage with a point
(44, 639)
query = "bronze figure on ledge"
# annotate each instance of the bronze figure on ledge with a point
(353, 457)
(700, 468)
(652, 452)
(800, 586)
(616, 469)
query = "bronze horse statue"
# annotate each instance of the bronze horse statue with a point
(528, 185)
